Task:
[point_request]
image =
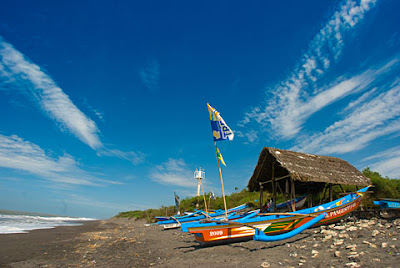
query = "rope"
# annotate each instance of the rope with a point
(175, 219)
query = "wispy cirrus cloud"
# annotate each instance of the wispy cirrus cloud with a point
(133, 157)
(18, 154)
(294, 100)
(173, 172)
(150, 75)
(374, 116)
(16, 69)
(19, 73)
(388, 162)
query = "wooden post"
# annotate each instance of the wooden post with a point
(205, 203)
(330, 192)
(273, 185)
(261, 196)
(287, 187)
(222, 182)
(293, 191)
(341, 188)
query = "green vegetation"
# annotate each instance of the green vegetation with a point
(189, 204)
(383, 188)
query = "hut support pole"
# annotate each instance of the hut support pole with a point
(341, 188)
(330, 192)
(293, 194)
(274, 185)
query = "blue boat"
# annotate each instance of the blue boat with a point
(386, 203)
(275, 226)
(175, 222)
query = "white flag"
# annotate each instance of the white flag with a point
(220, 129)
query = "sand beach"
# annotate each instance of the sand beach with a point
(354, 242)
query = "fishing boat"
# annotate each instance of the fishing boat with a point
(242, 214)
(386, 203)
(276, 226)
(390, 208)
(175, 222)
(285, 206)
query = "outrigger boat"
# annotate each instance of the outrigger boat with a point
(390, 207)
(386, 203)
(285, 206)
(175, 222)
(241, 214)
(275, 226)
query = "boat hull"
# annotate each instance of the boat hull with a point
(388, 203)
(272, 225)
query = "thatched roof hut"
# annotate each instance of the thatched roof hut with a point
(309, 173)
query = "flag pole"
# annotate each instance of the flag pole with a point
(222, 182)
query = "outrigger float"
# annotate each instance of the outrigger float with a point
(176, 221)
(275, 226)
(386, 203)
(235, 213)
(390, 208)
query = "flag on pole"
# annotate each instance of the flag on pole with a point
(212, 195)
(219, 155)
(220, 129)
(177, 199)
(177, 202)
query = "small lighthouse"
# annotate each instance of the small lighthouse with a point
(199, 175)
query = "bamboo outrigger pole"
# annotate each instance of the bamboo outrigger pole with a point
(222, 181)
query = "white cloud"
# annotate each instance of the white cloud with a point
(16, 68)
(174, 172)
(15, 153)
(291, 105)
(375, 118)
(360, 100)
(388, 164)
(395, 151)
(133, 157)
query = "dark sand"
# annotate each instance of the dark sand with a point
(128, 243)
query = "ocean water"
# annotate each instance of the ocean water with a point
(12, 222)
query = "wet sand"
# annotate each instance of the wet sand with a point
(129, 243)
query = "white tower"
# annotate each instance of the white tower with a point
(200, 175)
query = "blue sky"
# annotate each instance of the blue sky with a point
(103, 103)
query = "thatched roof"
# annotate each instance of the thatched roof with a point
(311, 171)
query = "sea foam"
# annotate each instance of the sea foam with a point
(24, 223)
